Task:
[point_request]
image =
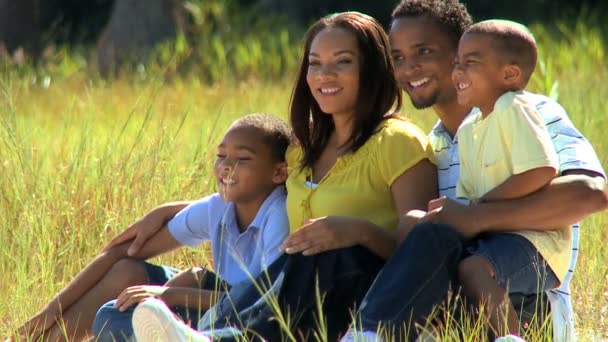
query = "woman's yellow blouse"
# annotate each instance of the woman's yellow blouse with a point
(359, 184)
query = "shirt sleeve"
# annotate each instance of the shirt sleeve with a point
(573, 150)
(402, 145)
(274, 233)
(190, 226)
(531, 147)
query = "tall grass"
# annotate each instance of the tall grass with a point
(81, 158)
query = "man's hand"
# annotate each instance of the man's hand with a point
(135, 294)
(407, 223)
(460, 217)
(323, 234)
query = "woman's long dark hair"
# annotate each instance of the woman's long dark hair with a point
(378, 97)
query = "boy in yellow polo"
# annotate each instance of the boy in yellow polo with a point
(505, 152)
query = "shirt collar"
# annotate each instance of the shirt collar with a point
(277, 194)
(440, 130)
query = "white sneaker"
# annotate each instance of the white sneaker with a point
(361, 336)
(153, 321)
(509, 338)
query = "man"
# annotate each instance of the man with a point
(424, 38)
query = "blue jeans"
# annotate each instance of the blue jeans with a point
(113, 325)
(415, 279)
(341, 276)
(418, 277)
(517, 264)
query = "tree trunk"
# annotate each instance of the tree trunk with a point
(134, 28)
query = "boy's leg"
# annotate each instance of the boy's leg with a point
(499, 264)
(76, 322)
(111, 324)
(477, 277)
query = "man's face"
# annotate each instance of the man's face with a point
(423, 57)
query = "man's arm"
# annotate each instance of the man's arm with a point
(564, 201)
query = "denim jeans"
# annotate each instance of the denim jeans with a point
(418, 277)
(111, 325)
(294, 283)
(414, 279)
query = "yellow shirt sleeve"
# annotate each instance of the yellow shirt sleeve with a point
(402, 146)
(531, 146)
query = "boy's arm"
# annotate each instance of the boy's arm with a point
(190, 297)
(144, 228)
(520, 185)
(565, 201)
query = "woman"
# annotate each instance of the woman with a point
(356, 169)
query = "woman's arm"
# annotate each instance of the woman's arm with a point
(411, 190)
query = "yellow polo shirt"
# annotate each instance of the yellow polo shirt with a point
(511, 140)
(359, 184)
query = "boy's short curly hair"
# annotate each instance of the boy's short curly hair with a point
(450, 14)
(275, 133)
(512, 42)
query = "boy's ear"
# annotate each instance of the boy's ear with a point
(280, 173)
(512, 74)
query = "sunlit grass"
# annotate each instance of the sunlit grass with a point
(81, 158)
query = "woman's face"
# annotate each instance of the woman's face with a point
(333, 71)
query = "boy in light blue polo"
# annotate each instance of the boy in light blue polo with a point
(245, 221)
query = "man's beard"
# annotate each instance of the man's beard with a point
(426, 102)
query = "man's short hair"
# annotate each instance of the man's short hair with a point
(513, 42)
(275, 133)
(451, 15)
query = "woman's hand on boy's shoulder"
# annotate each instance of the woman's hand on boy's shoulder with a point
(323, 234)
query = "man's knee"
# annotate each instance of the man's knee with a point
(436, 238)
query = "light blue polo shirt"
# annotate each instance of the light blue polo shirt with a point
(236, 256)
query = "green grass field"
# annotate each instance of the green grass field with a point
(80, 159)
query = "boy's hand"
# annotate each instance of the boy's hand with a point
(458, 216)
(322, 234)
(140, 231)
(135, 294)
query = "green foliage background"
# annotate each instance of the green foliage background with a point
(82, 157)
